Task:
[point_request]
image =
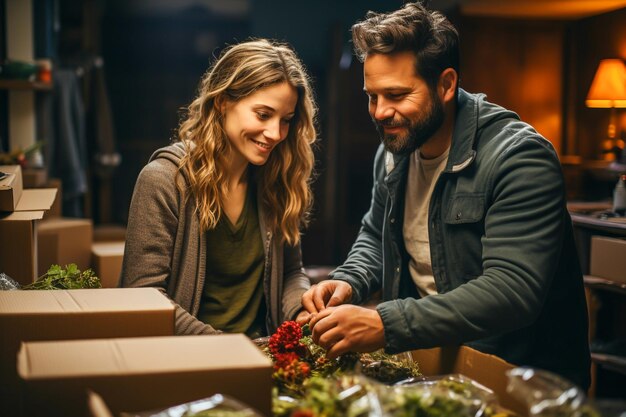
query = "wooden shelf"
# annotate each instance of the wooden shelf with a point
(612, 362)
(24, 85)
(613, 225)
(604, 284)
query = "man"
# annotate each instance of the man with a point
(468, 235)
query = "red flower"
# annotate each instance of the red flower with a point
(302, 413)
(282, 360)
(287, 339)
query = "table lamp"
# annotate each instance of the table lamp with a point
(608, 90)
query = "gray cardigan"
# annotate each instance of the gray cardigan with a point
(166, 249)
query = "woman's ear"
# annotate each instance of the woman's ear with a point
(219, 103)
(447, 84)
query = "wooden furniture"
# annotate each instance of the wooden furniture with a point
(607, 305)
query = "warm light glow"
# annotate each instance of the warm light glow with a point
(608, 88)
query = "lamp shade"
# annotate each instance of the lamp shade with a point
(608, 88)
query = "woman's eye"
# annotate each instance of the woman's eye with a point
(263, 116)
(287, 121)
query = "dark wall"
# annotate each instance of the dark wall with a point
(154, 63)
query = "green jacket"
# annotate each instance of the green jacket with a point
(502, 250)
(165, 248)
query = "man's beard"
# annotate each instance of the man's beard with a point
(419, 132)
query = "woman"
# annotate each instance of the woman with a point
(215, 218)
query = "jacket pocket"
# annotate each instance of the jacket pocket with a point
(464, 228)
(465, 208)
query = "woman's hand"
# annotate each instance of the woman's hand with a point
(327, 293)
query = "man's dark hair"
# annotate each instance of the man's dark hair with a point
(427, 33)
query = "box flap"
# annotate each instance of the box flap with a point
(87, 300)
(22, 215)
(97, 406)
(36, 199)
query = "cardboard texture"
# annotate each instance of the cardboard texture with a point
(142, 374)
(63, 241)
(488, 370)
(106, 261)
(608, 258)
(18, 235)
(10, 187)
(74, 314)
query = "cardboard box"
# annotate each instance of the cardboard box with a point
(109, 233)
(57, 207)
(488, 370)
(63, 241)
(35, 177)
(74, 314)
(106, 261)
(10, 187)
(608, 258)
(140, 374)
(18, 235)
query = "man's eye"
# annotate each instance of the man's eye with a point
(372, 98)
(396, 96)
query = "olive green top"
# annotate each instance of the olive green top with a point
(232, 299)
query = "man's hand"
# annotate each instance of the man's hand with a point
(303, 317)
(327, 293)
(348, 328)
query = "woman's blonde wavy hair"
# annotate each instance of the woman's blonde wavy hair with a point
(284, 180)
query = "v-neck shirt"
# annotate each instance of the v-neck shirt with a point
(232, 298)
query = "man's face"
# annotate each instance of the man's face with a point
(404, 110)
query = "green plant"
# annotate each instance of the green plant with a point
(70, 278)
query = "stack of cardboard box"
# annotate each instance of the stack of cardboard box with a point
(20, 214)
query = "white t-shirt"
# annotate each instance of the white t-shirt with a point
(422, 176)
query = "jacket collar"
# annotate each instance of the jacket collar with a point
(462, 152)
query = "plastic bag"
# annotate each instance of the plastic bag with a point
(7, 283)
(450, 395)
(217, 405)
(547, 394)
(346, 396)
(388, 369)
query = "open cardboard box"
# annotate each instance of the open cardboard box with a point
(142, 374)
(10, 187)
(488, 370)
(18, 234)
(19, 212)
(74, 314)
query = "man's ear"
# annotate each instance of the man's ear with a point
(447, 84)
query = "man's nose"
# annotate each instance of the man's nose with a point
(383, 111)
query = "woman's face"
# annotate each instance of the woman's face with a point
(257, 123)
